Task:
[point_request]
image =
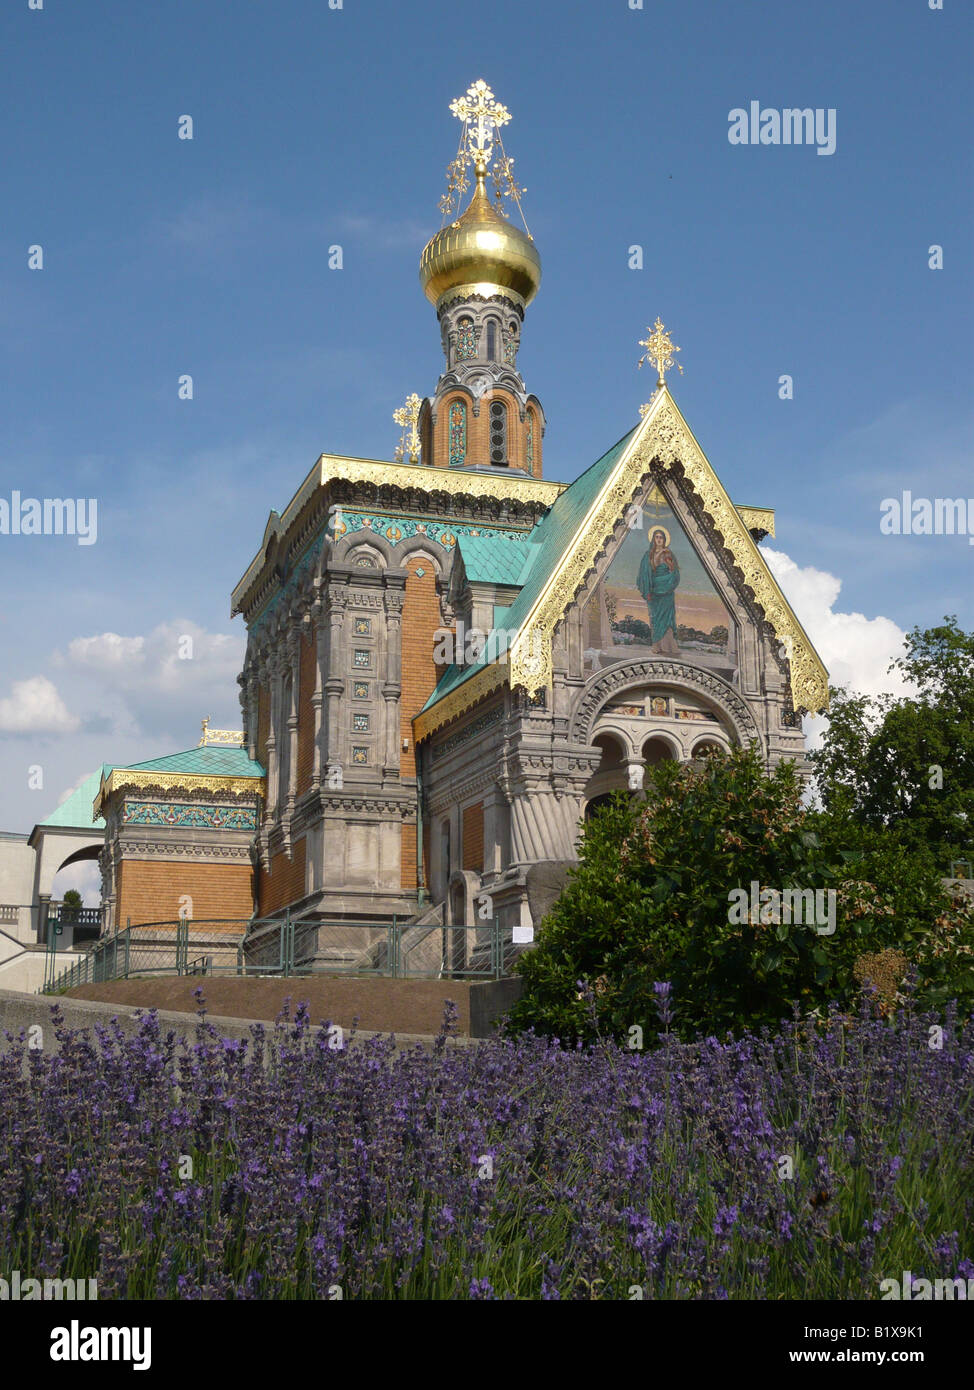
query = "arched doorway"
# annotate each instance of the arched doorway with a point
(659, 750)
(611, 775)
(80, 871)
(704, 748)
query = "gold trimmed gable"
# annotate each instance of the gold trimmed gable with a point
(665, 436)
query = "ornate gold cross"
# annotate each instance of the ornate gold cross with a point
(407, 416)
(659, 351)
(481, 116)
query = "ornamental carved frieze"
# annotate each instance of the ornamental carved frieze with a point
(661, 672)
(189, 849)
(471, 730)
(394, 601)
(351, 805)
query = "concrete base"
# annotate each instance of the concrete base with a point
(24, 970)
(22, 1012)
(380, 1005)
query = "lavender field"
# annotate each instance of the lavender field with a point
(812, 1163)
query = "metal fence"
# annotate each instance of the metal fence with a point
(178, 946)
(287, 946)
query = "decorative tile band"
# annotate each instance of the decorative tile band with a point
(395, 529)
(200, 817)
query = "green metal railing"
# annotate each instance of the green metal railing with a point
(289, 946)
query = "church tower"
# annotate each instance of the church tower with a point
(480, 272)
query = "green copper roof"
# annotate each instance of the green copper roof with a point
(547, 543)
(554, 532)
(495, 559)
(76, 810)
(212, 761)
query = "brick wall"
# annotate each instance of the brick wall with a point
(149, 890)
(285, 882)
(306, 714)
(478, 433)
(473, 837)
(420, 619)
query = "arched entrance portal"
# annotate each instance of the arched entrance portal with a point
(611, 775)
(659, 750)
(705, 747)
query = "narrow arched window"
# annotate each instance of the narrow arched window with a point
(466, 340)
(530, 442)
(498, 432)
(458, 434)
(491, 341)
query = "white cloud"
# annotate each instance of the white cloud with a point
(108, 649)
(35, 707)
(162, 682)
(856, 650)
(85, 876)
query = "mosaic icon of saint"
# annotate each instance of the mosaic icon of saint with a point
(657, 581)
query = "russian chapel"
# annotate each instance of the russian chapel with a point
(451, 660)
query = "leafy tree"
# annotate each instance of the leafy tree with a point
(906, 764)
(653, 901)
(71, 903)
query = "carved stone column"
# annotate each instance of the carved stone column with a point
(318, 696)
(495, 812)
(275, 667)
(337, 603)
(635, 772)
(392, 685)
(252, 697)
(291, 713)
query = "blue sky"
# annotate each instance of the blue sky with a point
(315, 126)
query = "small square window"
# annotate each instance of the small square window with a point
(361, 657)
(360, 690)
(360, 755)
(360, 723)
(363, 627)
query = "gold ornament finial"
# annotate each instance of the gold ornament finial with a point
(659, 351)
(407, 417)
(482, 116)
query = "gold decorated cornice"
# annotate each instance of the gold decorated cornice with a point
(187, 782)
(456, 482)
(664, 436)
(470, 693)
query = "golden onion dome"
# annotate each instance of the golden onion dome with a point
(480, 253)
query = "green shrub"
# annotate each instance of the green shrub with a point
(650, 902)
